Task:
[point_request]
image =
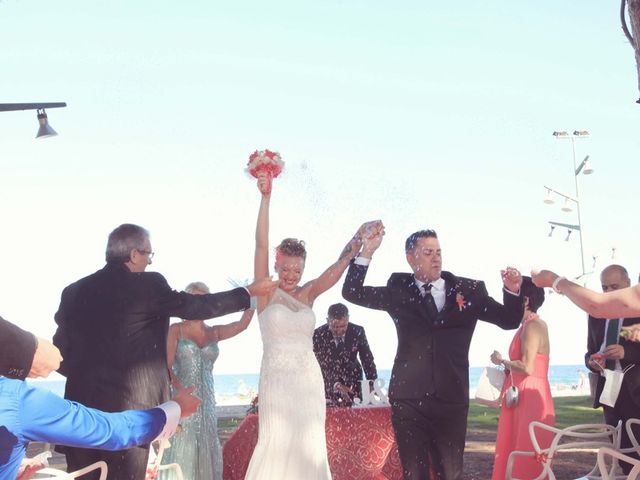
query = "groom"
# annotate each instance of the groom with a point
(435, 314)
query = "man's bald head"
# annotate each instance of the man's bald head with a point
(614, 277)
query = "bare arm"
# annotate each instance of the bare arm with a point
(172, 345)
(222, 332)
(616, 304)
(533, 343)
(261, 260)
(367, 232)
(332, 274)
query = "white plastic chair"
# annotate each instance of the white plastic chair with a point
(586, 436)
(155, 460)
(60, 474)
(635, 444)
(606, 455)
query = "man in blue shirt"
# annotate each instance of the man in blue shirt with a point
(28, 413)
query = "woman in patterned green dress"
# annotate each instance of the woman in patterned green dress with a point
(192, 349)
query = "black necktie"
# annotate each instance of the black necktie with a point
(430, 302)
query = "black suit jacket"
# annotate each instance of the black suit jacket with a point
(340, 363)
(17, 348)
(433, 351)
(595, 337)
(112, 333)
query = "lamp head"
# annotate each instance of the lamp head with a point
(567, 206)
(45, 130)
(587, 169)
(548, 199)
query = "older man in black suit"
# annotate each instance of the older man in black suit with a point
(607, 349)
(435, 314)
(112, 333)
(337, 346)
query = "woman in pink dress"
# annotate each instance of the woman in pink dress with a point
(527, 369)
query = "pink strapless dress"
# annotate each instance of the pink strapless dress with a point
(535, 403)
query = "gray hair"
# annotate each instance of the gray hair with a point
(197, 287)
(122, 240)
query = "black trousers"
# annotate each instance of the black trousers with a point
(430, 434)
(626, 407)
(123, 465)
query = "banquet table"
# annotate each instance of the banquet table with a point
(360, 444)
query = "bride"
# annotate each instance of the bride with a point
(291, 440)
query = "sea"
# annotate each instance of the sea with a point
(239, 389)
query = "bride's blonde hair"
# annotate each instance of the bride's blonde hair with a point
(292, 247)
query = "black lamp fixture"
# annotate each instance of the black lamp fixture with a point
(45, 130)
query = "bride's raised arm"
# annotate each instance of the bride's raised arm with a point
(261, 260)
(332, 274)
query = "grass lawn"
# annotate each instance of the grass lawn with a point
(569, 411)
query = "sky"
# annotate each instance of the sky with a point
(423, 114)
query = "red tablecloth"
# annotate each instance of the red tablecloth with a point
(360, 443)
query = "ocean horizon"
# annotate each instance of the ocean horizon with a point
(240, 388)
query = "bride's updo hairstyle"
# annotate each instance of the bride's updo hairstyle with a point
(291, 247)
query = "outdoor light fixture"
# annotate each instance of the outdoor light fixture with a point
(585, 168)
(45, 129)
(581, 133)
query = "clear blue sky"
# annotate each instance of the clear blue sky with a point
(421, 113)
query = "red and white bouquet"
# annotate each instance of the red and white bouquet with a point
(265, 161)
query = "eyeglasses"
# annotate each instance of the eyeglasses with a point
(147, 252)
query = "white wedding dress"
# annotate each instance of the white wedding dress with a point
(291, 439)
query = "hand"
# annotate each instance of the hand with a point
(543, 278)
(46, 359)
(188, 403)
(631, 333)
(265, 182)
(369, 229)
(262, 287)
(496, 358)
(596, 361)
(512, 279)
(371, 239)
(30, 466)
(614, 352)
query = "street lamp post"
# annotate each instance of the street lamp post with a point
(585, 168)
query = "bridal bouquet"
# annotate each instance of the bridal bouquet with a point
(265, 161)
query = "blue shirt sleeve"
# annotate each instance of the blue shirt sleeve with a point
(45, 417)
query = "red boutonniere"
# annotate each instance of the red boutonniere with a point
(460, 301)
